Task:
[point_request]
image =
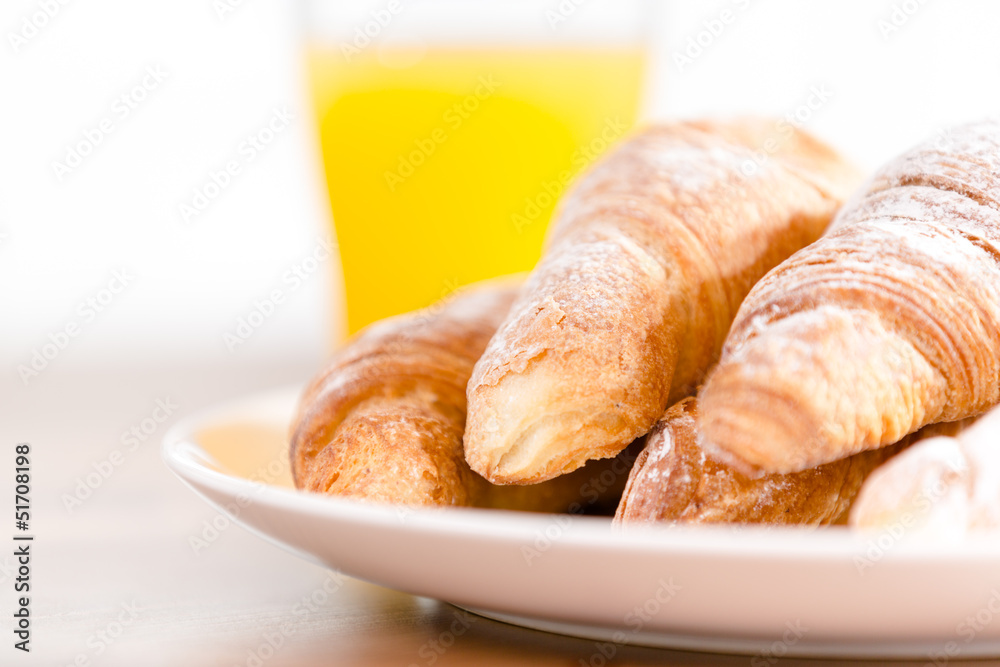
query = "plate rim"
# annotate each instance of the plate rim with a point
(185, 457)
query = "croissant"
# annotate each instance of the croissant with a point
(889, 322)
(645, 267)
(674, 480)
(941, 486)
(383, 422)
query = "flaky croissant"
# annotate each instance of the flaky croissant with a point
(384, 421)
(674, 480)
(645, 267)
(889, 322)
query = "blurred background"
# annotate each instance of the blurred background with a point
(165, 223)
(181, 88)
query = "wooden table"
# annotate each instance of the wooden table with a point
(116, 581)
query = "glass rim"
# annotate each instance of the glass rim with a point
(357, 24)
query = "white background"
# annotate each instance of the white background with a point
(62, 239)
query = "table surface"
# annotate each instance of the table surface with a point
(116, 580)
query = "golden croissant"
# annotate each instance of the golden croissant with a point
(674, 480)
(889, 322)
(647, 262)
(383, 422)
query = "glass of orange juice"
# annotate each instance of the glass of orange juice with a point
(450, 128)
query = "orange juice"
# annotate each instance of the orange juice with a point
(443, 167)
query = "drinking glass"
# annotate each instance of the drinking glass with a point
(450, 128)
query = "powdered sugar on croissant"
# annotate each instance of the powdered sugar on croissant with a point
(646, 265)
(889, 322)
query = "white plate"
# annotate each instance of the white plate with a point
(755, 591)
